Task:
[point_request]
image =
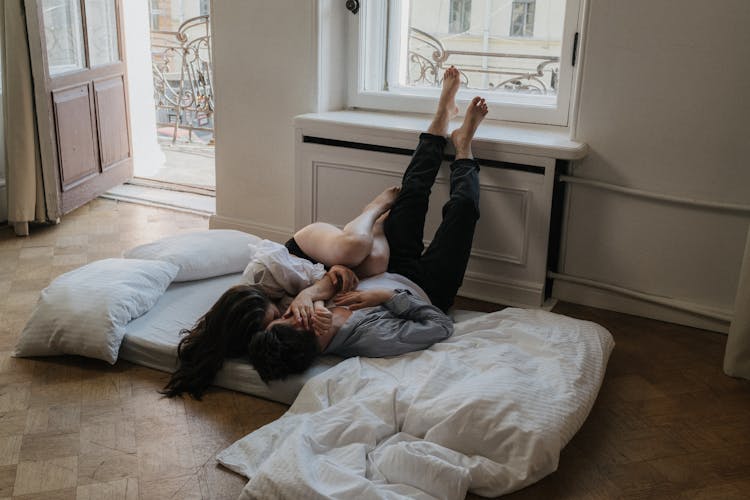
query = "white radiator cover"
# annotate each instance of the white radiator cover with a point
(509, 257)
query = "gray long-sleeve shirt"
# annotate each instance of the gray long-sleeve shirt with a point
(404, 323)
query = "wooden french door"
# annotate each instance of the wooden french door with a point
(80, 80)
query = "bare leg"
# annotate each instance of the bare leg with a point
(440, 269)
(351, 246)
(463, 135)
(447, 108)
(363, 223)
(404, 228)
(377, 261)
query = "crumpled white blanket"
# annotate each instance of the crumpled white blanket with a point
(280, 273)
(486, 411)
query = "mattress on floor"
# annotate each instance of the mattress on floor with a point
(152, 339)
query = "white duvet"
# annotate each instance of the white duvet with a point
(486, 411)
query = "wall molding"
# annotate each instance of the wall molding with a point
(508, 292)
(642, 301)
(614, 298)
(523, 193)
(682, 305)
(650, 195)
(274, 233)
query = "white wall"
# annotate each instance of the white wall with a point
(147, 156)
(265, 68)
(3, 187)
(664, 108)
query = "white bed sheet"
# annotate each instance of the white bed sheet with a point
(152, 339)
(486, 411)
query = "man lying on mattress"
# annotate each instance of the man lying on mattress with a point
(388, 313)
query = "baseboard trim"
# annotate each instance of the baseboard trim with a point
(140, 201)
(266, 231)
(485, 287)
(3, 201)
(578, 293)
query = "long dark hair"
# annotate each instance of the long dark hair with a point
(281, 351)
(223, 332)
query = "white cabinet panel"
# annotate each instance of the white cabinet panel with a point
(508, 262)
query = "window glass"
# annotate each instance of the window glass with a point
(168, 15)
(63, 33)
(518, 54)
(460, 16)
(483, 43)
(205, 8)
(101, 29)
(522, 23)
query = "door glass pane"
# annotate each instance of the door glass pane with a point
(101, 27)
(64, 35)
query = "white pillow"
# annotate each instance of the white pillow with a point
(201, 254)
(85, 311)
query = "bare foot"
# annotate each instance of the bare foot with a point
(451, 83)
(381, 220)
(447, 108)
(384, 201)
(463, 135)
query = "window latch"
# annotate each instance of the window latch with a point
(575, 49)
(352, 6)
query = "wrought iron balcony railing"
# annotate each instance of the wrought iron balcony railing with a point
(183, 76)
(428, 57)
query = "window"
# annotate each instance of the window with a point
(460, 16)
(403, 49)
(155, 14)
(522, 18)
(205, 7)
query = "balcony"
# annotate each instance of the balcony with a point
(183, 79)
(481, 68)
(182, 70)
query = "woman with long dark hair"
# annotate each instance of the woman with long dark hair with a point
(223, 332)
(226, 330)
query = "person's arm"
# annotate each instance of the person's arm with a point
(427, 322)
(366, 298)
(322, 320)
(414, 325)
(302, 308)
(343, 278)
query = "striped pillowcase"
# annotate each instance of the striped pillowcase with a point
(85, 311)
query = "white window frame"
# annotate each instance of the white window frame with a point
(368, 54)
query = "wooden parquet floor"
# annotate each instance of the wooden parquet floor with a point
(667, 424)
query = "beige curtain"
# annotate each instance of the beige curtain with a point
(737, 356)
(24, 167)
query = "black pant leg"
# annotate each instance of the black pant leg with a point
(443, 265)
(404, 227)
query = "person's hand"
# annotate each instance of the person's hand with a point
(367, 298)
(342, 278)
(302, 309)
(322, 319)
